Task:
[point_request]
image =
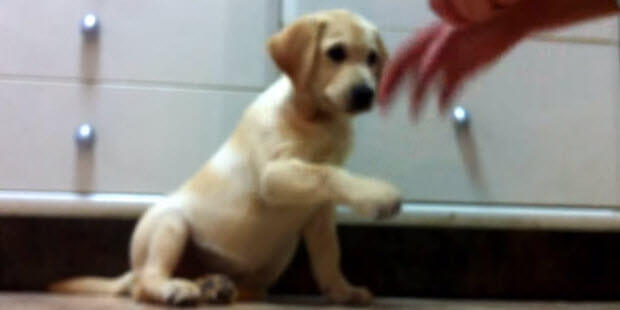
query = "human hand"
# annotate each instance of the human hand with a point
(452, 53)
(459, 12)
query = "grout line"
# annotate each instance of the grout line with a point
(280, 14)
(615, 123)
(538, 37)
(126, 84)
(574, 39)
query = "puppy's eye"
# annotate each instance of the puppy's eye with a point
(371, 60)
(337, 53)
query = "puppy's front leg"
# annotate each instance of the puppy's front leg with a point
(295, 182)
(322, 243)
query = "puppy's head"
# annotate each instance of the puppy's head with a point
(333, 58)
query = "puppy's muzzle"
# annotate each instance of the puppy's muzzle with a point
(361, 98)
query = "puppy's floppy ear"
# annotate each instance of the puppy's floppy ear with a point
(383, 54)
(295, 48)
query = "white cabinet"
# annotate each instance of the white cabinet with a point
(164, 82)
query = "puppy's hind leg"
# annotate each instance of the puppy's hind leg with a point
(162, 249)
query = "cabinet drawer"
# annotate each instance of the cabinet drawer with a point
(406, 15)
(543, 131)
(147, 140)
(218, 42)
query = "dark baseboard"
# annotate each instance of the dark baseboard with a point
(391, 261)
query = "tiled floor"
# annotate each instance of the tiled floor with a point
(55, 302)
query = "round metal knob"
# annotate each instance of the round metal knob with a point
(85, 136)
(461, 117)
(90, 24)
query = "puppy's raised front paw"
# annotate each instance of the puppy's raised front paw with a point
(375, 199)
(388, 211)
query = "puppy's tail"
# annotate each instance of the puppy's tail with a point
(95, 285)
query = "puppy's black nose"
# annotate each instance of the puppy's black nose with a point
(361, 98)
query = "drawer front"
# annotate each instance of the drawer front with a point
(216, 42)
(405, 15)
(147, 140)
(542, 131)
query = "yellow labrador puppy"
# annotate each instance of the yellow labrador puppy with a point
(275, 180)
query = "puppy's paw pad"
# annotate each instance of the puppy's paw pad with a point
(181, 293)
(360, 296)
(217, 289)
(350, 295)
(389, 210)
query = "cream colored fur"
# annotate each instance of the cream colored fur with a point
(276, 179)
